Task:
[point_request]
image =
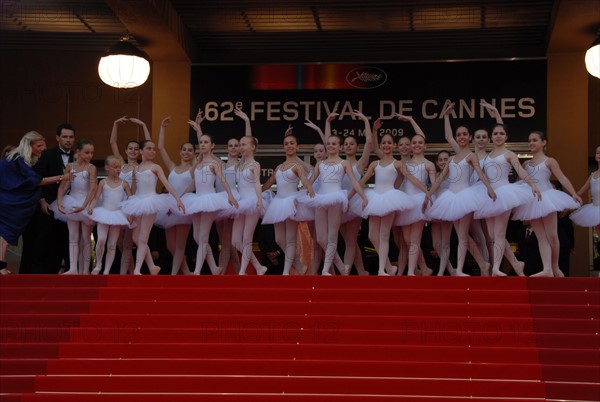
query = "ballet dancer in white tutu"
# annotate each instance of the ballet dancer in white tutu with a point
(478, 230)
(320, 154)
(176, 226)
(132, 156)
(413, 220)
(404, 150)
(285, 209)
(80, 179)
(331, 200)
(589, 214)
(542, 213)
(145, 204)
(352, 218)
(206, 202)
(461, 200)
(441, 231)
(497, 167)
(385, 200)
(223, 218)
(108, 215)
(250, 207)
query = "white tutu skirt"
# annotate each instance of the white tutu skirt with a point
(382, 204)
(339, 197)
(413, 214)
(508, 196)
(69, 204)
(280, 209)
(228, 211)
(304, 212)
(152, 204)
(109, 217)
(195, 203)
(451, 206)
(587, 216)
(552, 201)
(247, 205)
(355, 209)
(56, 212)
(168, 219)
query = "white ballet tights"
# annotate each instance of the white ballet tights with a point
(243, 230)
(80, 247)
(202, 224)
(107, 241)
(141, 233)
(228, 252)
(176, 241)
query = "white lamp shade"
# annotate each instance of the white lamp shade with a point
(123, 71)
(592, 59)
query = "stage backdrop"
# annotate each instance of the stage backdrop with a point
(275, 96)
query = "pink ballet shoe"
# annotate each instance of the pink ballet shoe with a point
(261, 270)
(460, 273)
(498, 273)
(70, 272)
(346, 270)
(96, 270)
(382, 273)
(154, 270)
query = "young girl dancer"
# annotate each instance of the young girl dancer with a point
(109, 217)
(80, 178)
(284, 208)
(352, 218)
(404, 150)
(331, 200)
(145, 204)
(320, 154)
(478, 231)
(542, 214)
(132, 153)
(384, 199)
(441, 231)
(458, 204)
(250, 205)
(412, 220)
(497, 167)
(206, 201)
(589, 214)
(177, 227)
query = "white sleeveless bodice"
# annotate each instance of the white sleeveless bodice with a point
(346, 183)
(112, 197)
(246, 182)
(145, 183)
(287, 182)
(541, 175)
(180, 181)
(229, 174)
(331, 177)
(385, 177)
(204, 180)
(595, 190)
(497, 170)
(459, 175)
(127, 177)
(80, 185)
(418, 171)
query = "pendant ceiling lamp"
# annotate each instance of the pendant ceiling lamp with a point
(124, 65)
(592, 57)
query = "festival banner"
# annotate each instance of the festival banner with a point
(276, 96)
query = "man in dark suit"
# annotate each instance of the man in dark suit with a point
(45, 241)
(529, 251)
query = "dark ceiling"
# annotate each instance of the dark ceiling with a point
(248, 31)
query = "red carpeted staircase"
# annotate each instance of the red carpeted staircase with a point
(228, 338)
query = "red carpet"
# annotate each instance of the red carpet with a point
(124, 338)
